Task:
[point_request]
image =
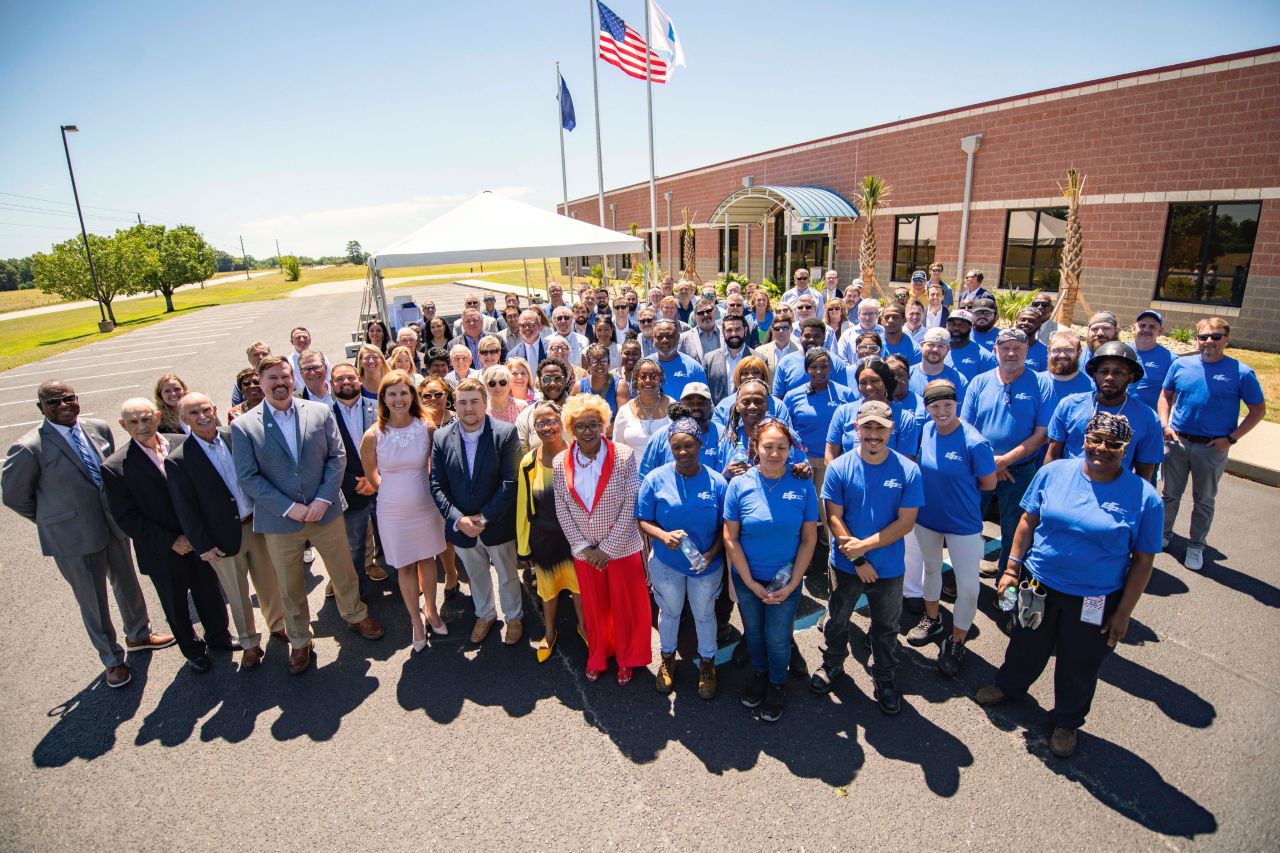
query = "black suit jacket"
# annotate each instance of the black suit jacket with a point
(207, 510)
(489, 489)
(138, 497)
(355, 468)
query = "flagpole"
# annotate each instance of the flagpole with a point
(595, 92)
(653, 191)
(564, 175)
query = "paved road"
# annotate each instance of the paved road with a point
(479, 749)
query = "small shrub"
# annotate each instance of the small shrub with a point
(292, 267)
(1010, 302)
(1181, 334)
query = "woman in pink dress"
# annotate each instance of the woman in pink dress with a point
(396, 454)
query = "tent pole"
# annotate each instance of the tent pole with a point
(526, 280)
(764, 248)
(831, 240)
(786, 282)
(746, 249)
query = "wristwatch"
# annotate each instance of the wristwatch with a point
(1230, 440)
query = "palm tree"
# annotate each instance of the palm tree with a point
(1072, 250)
(873, 194)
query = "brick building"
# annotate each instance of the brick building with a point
(1181, 210)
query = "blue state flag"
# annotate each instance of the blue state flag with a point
(567, 119)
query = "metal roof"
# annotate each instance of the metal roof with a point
(753, 204)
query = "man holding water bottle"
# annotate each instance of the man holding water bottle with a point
(871, 497)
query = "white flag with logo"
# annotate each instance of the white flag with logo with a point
(663, 35)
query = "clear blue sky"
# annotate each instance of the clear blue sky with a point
(319, 122)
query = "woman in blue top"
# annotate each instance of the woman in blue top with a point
(599, 380)
(737, 453)
(750, 367)
(955, 463)
(875, 381)
(1085, 546)
(770, 529)
(760, 319)
(682, 499)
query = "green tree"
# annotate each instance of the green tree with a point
(9, 279)
(292, 268)
(355, 253)
(185, 258)
(124, 262)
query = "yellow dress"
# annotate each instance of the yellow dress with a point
(539, 537)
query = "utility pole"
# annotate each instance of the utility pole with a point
(104, 325)
(139, 218)
(244, 258)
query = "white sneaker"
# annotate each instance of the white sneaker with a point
(1195, 559)
(309, 555)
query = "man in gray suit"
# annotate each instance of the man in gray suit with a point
(721, 363)
(53, 476)
(290, 460)
(704, 338)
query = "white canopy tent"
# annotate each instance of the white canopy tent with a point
(490, 227)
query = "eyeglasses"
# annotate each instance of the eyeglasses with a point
(646, 322)
(782, 327)
(55, 402)
(432, 395)
(1104, 441)
(497, 383)
(597, 359)
(621, 307)
(490, 351)
(471, 303)
(1211, 336)
(705, 312)
(315, 368)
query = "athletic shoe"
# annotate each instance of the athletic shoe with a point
(822, 679)
(775, 700)
(950, 657)
(754, 694)
(886, 696)
(926, 631)
(1194, 560)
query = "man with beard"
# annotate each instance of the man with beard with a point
(1064, 372)
(896, 340)
(933, 365)
(1028, 320)
(720, 363)
(966, 355)
(355, 415)
(791, 372)
(984, 323)
(1011, 407)
(1103, 327)
(704, 338)
(678, 369)
(781, 343)
(1156, 360)
(696, 402)
(1114, 367)
(582, 321)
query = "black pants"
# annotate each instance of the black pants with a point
(191, 574)
(1080, 648)
(884, 597)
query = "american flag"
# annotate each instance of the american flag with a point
(622, 46)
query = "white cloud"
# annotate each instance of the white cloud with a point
(326, 232)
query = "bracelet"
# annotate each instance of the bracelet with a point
(1012, 559)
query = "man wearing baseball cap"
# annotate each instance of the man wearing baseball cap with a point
(696, 399)
(984, 323)
(1029, 321)
(919, 291)
(1103, 327)
(1113, 368)
(1156, 360)
(966, 355)
(933, 365)
(871, 497)
(1011, 407)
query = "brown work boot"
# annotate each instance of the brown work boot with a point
(513, 633)
(666, 680)
(707, 678)
(368, 628)
(118, 675)
(990, 695)
(300, 659)
(1062, 742)
(251, 659)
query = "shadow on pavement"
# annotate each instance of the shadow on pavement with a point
(1178, 702)
(87, 722)
(1261, 591)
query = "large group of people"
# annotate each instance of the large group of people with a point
(693, 448)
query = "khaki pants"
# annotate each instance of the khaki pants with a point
(252, 561)
(286, 553)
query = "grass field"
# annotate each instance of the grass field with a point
(21, 300)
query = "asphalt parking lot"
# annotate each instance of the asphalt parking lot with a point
(483, 748)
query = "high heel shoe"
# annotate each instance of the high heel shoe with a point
(442, 631)
(419, 645)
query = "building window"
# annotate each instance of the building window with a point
(733, 249)
(1207, 251)
(915, 240)
(1033, 249)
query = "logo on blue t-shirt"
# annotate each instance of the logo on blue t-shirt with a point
(678, 373)
(953, 456)
(792, 496)
(704, 496)
(1221, 377)
(968, 361)
(1113, 508)
(892, 483)
(1022, 395)
(1152, 364)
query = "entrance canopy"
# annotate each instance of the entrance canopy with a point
(490, 227)
(753, 204)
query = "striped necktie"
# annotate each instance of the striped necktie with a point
(89, 458)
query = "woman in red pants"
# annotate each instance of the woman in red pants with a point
(596, 486)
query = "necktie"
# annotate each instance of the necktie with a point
(89, 458)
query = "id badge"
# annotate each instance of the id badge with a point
(1091, 610)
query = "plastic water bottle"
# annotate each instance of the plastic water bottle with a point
(691, 552)
(781, 579)
(1009, 598)
(739, 454)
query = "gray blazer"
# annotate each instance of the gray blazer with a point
(691, 344)
(269, 475)
(716, 364)
(45, 480)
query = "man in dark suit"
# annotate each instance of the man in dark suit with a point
(53, 476)
(217, 517)
(473, 329)
(289, 458)
(473, 482)
(720, 363)
(137, 490)
(315, 378)
(354, 415)
(529, 344)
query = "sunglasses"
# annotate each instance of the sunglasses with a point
(1041, 304)
(54, 402)
(472, 304)
(802, 278)
(432, 395)
(1102, 441)
(705, 312)
(1211, 336)
(649, 322)
(497, 383)
(490, 352)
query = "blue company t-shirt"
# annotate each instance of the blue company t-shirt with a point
(919, 379)
(791, 373)
(950, 466)
(870, 497)
(1155, 366)
(1006, 415)
(906, 348)
(679, 372)
(1072, 415)
(987, 339)
(1059, 390)
(971, 359)
(772, 404)
(1088, 530)
(692, 504)
(811, 413)
(1037, 357)
(843, 430)
(771, 513)
(736, 443)
(657, 451)
(1207, 395)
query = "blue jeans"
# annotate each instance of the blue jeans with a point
(357, 523)
(1010, 493)
(670, 589)
(768, 629)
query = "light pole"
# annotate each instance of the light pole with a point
(667, 196)
(104, 325)
(613, 220)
